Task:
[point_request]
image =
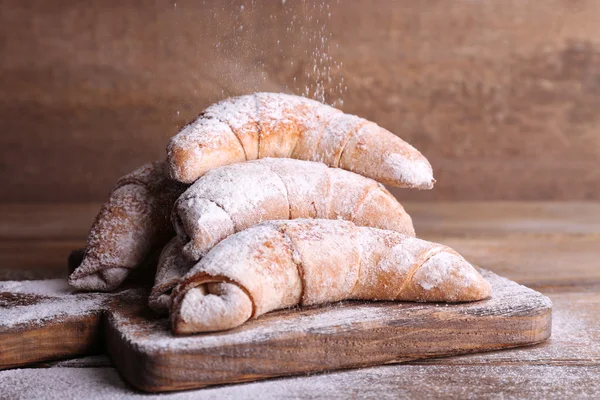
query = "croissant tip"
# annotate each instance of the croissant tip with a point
(177, 163)
(103, 281)
(448, 277)
(88, 282)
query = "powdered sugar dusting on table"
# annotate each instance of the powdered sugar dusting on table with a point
(49, 310)
(329, 319)
(48, 300)
(47, 288)
(391, 381)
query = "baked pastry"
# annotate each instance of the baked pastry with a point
(172, 265)
(133, 221)
(281, 264)
(232, 198)
(284, 126)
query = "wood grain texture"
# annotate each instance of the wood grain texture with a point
(58, 334)
(348, 335)
(574, 341)
(502, 98)
(504, 218)
(93, 361)
(575, 334)
(35, 259)
(535, 261)
(72, 221)
(68, 338)
(47, 320)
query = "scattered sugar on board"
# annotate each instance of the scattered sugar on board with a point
(51, 309)
(329, 319)
(49, 287)
(52, 300)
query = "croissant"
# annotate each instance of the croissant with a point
(171, 267)
(285, 126)
(280, 264)
(232, 198)
(132, 222)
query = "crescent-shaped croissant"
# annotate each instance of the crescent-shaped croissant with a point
(284, 126)
(172, 266)
(281, 264)
(232, 198)
(131, 223)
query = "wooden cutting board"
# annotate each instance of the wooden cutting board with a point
(46, 320)
(341, 335)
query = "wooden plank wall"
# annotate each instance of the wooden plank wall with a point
(502, 96)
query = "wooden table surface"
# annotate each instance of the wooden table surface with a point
(551, 247)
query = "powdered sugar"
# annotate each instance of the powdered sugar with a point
(385, 382)
(36, 302)
(328, 319)
(240, 113)
(415, 172)
(202, 310)
(334, 138)
(46, 288)
(49, 309)
(205, 132)
(447, 265)
(239, 189)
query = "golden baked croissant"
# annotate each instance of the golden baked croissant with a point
(281, 264)
(285, 126)
(232, 198)
(172, 265)
(132, 222)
